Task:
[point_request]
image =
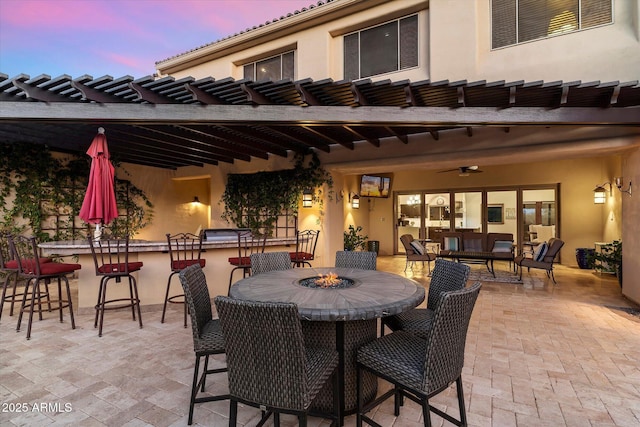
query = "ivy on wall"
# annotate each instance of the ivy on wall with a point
(50, 190)
(256, 200)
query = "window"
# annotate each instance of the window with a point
(382, 49)
(273, 68)
(519, 21)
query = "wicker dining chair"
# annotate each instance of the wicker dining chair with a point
(185, 249)
(270, 261)
(269, 366)
(356, 259)
(207, 335)
(421, 368)
(446, 276)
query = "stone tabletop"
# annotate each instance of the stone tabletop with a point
(374, 293)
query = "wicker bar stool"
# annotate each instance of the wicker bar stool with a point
(447, 276)
(269, 366)
(111, 260)
(421, 368)
(356, 259)
(207, 335)
(25, 252)
(185, 249)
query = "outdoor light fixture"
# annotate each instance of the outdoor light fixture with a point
(600, 193)
(307, 199)
(620, 184)
(196, 199)
(354, 199)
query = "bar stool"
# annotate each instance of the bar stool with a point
(111, 259)
(9, 267)
(248, 243)
(25, 252)
(185, 249)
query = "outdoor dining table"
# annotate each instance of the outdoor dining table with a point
(344, 317)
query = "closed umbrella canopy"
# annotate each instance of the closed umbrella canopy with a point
(99, 205)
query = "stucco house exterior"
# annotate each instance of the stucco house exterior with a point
(483, 43)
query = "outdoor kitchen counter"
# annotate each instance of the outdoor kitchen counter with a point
(152, 278)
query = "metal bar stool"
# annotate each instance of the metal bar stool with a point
(185, 249)
(30, 267)
(111, 259)
(248, 243)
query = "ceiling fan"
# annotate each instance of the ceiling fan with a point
(463, 170)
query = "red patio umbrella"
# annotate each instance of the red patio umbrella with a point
(99, 205)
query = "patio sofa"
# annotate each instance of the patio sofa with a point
(477, 242)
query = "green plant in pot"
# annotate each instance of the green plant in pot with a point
(353, 240)
(609, 259)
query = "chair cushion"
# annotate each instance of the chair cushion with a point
(502, 246)
(417, 246)
(115, 268)
(300, 256)
(540, 251)
(451, 244)
(54, 268)
(184, 263)
(13, 264)
(244, 261)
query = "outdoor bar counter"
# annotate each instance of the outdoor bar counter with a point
(152, 278)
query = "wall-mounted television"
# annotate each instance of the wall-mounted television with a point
(375, 186)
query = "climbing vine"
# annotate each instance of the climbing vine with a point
(41, 194)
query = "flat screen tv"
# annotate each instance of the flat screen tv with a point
(374, 186)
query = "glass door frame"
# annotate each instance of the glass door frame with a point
(519, 209)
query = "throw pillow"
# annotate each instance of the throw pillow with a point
(540, 251)
(451, 243)
(502, 246)
(417, 246)
(472, 245)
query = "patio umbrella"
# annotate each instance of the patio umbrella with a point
(99, 205)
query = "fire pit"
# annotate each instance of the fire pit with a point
(327, 281)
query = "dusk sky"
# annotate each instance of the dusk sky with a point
(119, 37)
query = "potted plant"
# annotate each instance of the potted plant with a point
(609, 259)
(353, 240)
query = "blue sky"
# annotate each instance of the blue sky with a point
(119, 37)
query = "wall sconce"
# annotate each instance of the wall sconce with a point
(307, 199)
(619, 184)
(600, 193)
(354, 199)
(196, 199)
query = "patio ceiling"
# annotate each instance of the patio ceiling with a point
(170, 123)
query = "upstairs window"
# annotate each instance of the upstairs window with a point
(274, 68)
(382, 49)
(519, 21)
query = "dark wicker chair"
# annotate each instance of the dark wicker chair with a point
(356, 259)
(447, 276)
(248, 243)
(421, 368)
(185, 249)
(306, 242)
(111, 260)
(207, 335)
(269, 365)
(547, 261)
(35, 272)
(270, 261)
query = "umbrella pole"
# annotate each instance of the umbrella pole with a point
(97, 234)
